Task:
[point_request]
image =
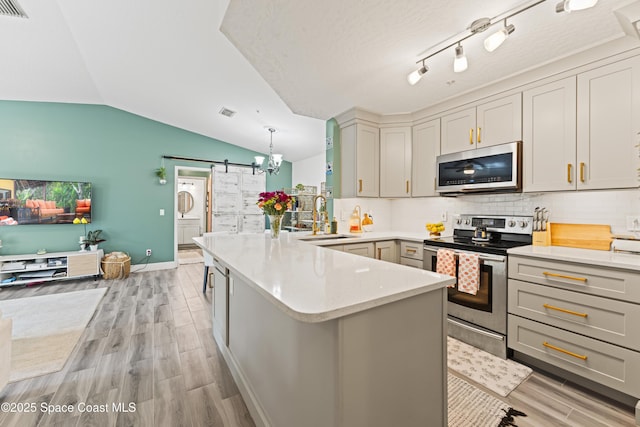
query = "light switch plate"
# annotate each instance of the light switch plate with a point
(329, 140)
(161, 212)
(633, 222)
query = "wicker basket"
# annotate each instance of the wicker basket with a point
(116, 265)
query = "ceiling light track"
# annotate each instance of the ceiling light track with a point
(494, 40)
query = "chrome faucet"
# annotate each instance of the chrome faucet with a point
(314, 226)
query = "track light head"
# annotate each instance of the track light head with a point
(460, 63)
(494, 41)
(571, 5)
(415, 76)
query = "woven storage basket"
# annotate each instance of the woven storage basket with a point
(116, 265)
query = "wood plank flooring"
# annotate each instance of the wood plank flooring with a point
(150, 344)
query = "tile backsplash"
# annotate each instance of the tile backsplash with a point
(585, 207)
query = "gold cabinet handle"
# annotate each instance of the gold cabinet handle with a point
(563, 276)
(407, 186)
(569, 173)
(562, 350)
(581, 171)
(564, 310)
(479, 138)
(379, 253)
(471, 136)
(410, 251)
(360, 186)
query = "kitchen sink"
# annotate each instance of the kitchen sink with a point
(323, 237)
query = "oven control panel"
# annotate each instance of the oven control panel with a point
(503, 224)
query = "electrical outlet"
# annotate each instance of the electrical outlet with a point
(148, 252)
(633, 222)
(443, 216)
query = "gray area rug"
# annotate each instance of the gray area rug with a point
(471, 407)
(46, 329)
(190, 256)
(496, 374)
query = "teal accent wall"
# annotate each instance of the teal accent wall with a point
(118, 153)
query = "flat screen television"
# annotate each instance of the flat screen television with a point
(30, 201)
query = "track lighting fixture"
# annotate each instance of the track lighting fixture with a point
(415, 77)
(571, 5)
(460, 63)
(494, 41)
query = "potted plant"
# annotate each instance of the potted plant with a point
(161, 173)
(93, 238)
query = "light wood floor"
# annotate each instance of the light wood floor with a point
(150, 343)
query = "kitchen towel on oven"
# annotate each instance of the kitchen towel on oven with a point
(446, 263)
(468, 273)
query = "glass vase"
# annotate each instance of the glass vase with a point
(275, 222)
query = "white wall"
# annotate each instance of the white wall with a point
(309, 171)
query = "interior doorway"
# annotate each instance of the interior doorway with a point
(192, 208)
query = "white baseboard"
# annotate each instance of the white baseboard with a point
(153, 266)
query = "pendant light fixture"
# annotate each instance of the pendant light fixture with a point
(460, 63)
(494, 41)
(274, 162)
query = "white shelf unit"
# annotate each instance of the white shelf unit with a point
(33, 268)
(302, 219)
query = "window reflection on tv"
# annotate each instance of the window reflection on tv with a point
(28, 201)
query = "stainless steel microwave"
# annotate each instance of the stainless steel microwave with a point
(487, 169)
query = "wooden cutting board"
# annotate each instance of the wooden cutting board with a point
(586, 236)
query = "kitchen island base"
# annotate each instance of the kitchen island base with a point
(378, 367)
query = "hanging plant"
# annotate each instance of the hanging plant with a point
(161, 173)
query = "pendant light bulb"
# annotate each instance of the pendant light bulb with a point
(494, 41)
(460, 63)
(415, 77)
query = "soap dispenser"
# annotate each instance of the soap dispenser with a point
(355, 226)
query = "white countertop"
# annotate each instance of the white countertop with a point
(583, 256)
(314, 284)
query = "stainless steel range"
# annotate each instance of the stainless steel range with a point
(481, 319)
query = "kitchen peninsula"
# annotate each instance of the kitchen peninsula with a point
(319, 337)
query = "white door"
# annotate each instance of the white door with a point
(425, 149)
(395, 162)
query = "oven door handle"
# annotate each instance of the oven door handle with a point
(483, 257)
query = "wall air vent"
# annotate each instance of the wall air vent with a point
(227, 112)
(11, 8)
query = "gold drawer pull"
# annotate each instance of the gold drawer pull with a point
(479, 139)
(379, 253)
(569, 173)
(581, 171)
(562, 350)
(471, 136)
(563, 276)
(564, 310)
(360, 184)
(410, 251)
(407, 186)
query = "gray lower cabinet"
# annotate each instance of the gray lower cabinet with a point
(577, 317)
(220, 301)
(411, 254)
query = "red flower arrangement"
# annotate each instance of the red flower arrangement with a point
(275, 202)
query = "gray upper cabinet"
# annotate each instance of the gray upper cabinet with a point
(360, 156)
(425, 149)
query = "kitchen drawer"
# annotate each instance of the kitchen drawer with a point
(604, 363)
(411, 250)
(606, 282)
(601, 318)
(411, 262)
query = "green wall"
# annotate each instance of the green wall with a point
(118, 153)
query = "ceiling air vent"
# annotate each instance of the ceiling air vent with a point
(11, 8)
(227, 112)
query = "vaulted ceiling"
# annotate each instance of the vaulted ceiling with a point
(287, 64)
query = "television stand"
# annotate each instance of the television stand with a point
(30, 269)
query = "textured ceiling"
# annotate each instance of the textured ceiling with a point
(325, 57)
(278, 63)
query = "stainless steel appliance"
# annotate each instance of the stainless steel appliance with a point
(495, 168)
(481, 319)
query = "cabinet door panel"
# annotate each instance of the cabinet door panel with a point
(425, 149)
(499, 121)
(395, 162)
(348, 178)
(608, 125)
(549, 136)
(456, 130)
(363, 249)
(367, 160)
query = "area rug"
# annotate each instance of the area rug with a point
(471, 407)
(190, 257)
(496, 374)
(46, 329)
